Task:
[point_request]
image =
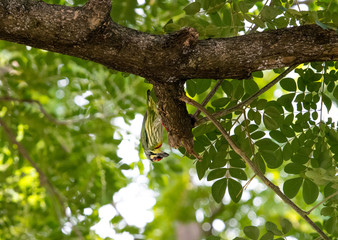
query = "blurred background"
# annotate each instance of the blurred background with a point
(83, 129)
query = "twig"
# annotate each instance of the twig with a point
(252, 150)
(249, 100)
(208, 97)
(241, 153)
(298, 6)
(324, 200)
(44, 181)
(322, 92)
(246, 185)
(253, 28)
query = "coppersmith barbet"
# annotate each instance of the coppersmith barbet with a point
(152, 132)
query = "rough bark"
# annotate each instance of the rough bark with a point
(166, 60)
(89, 33)
(174, 115)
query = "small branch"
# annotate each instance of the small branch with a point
(322, 92)
(249, 100)
(253, 28)
(327, 198)
(207, 99)
(44, 181)
(241, 153)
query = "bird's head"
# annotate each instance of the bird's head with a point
(156, 157)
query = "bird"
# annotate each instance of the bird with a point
(152, 132)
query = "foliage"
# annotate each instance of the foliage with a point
(288, 135)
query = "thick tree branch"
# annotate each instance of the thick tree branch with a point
(247, 160)
(89, 33)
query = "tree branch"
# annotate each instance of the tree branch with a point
(324, 200)
(88, 32)
(254, 167)
(44, 181)
(249, 100)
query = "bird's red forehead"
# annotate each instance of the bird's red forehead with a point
(157, 159)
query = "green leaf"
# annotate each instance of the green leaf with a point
(238, 89)
(244, 6)
(260, 163)
(236, 161)
(329, 190)
(227, 88)
(250, 86)
(294, 168)
(251, 232)
(300, 158)
(327, 101)
(203, 129)
(257, 135)
(286, 225)
(257, 118)
(219, 160)
(335, 92)
(287, 151)
(238, 173)
(278, 136)
(267, 236)
(310, 191)
(286, 101)
(330, 225)
(270, 12)
(218, 189)
(270, 118)
(258, 74)
(288, 84)
(292, 186)
(327, 211)
(272, 159)
(213, 238)
(267, 144)
(202, 166)
(261, 103)
(202, 85)
(217, 173)
(235, 190)
(171, 27)
(191, 88)
(221, 102)
(259, 22)
(125, 167)
(273, 228)
(216, 19)
(322, 25)
(192, 8)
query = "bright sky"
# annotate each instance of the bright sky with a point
(135, 201)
